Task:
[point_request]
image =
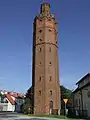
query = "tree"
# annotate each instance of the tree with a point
(27, 106)
(66, 93)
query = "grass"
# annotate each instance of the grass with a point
(53, 116)
(49, 116)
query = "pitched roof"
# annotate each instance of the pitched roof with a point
(78, 89)
(10, 99)
(16, 95)
(86, 75)
(11, 96)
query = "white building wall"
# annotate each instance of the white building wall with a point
(3, 106)
(11, 107)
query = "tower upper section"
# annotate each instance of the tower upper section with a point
(45, 11)
(45, 8)
(45, 27)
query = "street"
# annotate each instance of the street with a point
(16, 116)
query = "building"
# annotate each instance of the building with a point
(45, 68)
(81, 96)
(11, 101)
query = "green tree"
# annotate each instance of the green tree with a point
(66, 93)
(27, 106)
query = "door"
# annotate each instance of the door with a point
(51, 107)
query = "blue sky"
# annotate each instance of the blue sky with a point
(16, 20)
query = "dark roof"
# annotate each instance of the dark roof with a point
(45, 3)
(85, 76)
(78, 89)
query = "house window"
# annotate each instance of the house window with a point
(50, 92)
(40, 92)
(88, 94)
(76, 103)
(49, 49)
(6, 101)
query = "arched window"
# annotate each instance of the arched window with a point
(49, 30)
(50, 63)
(50, 78)
(40, 49)
(50, 92)
(51, 104)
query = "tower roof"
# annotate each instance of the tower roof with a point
(45, 7)
(45, 3)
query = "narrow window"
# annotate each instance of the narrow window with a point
(40, 63)
(49, 19)
(49, 49)
(40, 20)
(49, 30)
(50, 78)
(39, 78)
(50, 92)
(40, 39)
(50, 63)
(40, 92)
(40, 31)
(40, 49)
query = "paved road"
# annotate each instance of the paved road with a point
(15, 116)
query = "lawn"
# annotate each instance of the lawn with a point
(49, 116)
(53, 116)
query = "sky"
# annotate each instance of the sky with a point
(16, 28)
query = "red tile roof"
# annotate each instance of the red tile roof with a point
(16, 95)
(10, 99)
(9, 96)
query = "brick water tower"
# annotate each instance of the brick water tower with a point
(45, 67)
